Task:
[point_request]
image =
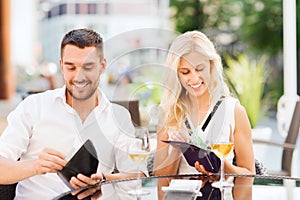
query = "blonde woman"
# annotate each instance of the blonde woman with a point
(194, 84)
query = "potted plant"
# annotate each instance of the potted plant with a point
(246, 79)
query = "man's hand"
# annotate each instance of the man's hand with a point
(82, 181)
(48, 161)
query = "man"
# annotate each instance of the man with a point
(47, 127)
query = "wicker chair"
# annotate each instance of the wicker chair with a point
(133, 107)
(288, 146)
(8, 192)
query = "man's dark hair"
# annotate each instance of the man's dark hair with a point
(82, 38)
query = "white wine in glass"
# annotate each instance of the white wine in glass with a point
(222, 150)
(139, 157)
(138, 152)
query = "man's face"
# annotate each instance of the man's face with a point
(81, 69)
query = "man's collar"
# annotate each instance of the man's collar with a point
(103, 102)
(60, 94)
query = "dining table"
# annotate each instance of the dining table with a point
(199, 186)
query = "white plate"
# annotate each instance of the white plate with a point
(170, 189)
(184, 186)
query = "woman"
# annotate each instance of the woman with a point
(193, 87)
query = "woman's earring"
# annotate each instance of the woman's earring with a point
(186, 93)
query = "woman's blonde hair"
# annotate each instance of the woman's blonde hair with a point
(174, 102)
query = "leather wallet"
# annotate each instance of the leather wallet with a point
(84, 161)
(193, 153)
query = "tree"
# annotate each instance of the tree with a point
(255, 27)
(259, 24)
(262, 27)
(188, 15)
(201, 14)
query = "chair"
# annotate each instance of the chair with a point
(29, 93)
(8, 192)
(289, 144)
(133, 107)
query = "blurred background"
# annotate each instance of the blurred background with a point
(137, 33)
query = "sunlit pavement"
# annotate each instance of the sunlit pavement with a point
(275, 192)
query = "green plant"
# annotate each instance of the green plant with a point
(246, 78)
(147, 93)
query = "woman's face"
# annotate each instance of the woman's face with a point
(194, 73)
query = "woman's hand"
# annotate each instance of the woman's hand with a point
(209, 175)
(83, 181)
(200, 168)
(178, 134)
(206, 179)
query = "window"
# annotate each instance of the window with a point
(81, 8)
(62, 9)
(86, 8)
(92, 8)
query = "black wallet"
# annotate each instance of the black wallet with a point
(84, 161)
(193, 153)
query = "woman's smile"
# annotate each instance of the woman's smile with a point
(195, 86)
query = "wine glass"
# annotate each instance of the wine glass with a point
(138, 152)
(222, 149)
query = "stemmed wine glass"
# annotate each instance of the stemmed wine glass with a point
(222, 149)
(138, 152)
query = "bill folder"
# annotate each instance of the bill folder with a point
(193, 153)
(84, 161)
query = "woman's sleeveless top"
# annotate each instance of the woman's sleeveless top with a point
(218, 129)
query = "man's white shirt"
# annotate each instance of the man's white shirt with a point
(46, 120)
